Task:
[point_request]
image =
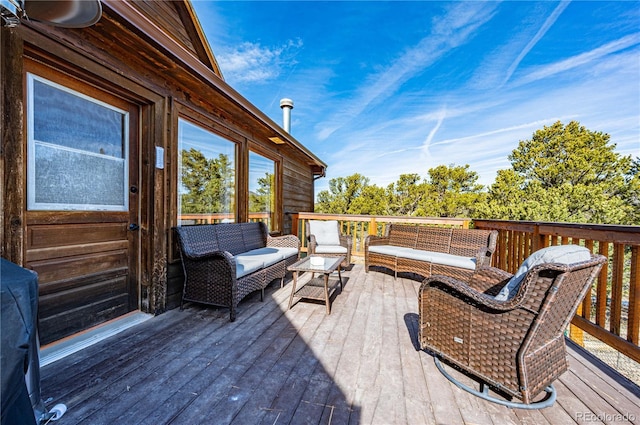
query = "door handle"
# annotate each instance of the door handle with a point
(133, 226)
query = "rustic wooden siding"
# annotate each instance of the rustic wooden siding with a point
(165, 15)
(298, 188)
(176, 18)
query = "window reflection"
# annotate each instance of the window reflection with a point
(262, 200)
(206, 192)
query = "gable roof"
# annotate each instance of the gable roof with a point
(178, 20)
(196, 34)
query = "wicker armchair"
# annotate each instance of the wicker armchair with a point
(516, 346)
(326, 240)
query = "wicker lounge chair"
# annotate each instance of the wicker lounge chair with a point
(514, 346)
(326, 240)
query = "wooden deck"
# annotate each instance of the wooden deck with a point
(358, 365)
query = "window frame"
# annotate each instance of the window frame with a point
(32, 204)
(202, 126)
(273, 224)
(277, 216)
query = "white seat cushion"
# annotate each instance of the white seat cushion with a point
(426, 256)
(415, 254)
(326, 232)
(251, 261)
(287, 252)
(267, 255)
(561, 254)
(395, 251)
(331, 249)
(246, 265)
(451, 260)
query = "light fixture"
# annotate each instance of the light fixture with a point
(277, 140)
(60, 13)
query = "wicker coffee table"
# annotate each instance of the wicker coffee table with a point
(318, 288)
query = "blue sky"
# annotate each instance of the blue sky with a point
(389, 88)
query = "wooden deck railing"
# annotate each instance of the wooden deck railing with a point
(359, 226)
(612, 312)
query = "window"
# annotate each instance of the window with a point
(262, 199)
(206, 176)
(77, 150)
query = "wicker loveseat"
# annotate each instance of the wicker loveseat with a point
(223, 263)
(429, 250)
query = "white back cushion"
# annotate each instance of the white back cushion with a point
(326, 232)
(563, 254)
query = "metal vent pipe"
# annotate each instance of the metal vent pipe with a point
(287, 106)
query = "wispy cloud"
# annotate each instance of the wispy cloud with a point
(449, 31)
(541, 32)
(528, 125)
(581, 59)
(252, 63)
(441, 116)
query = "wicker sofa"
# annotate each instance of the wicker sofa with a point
(429, 250)
(223, 263)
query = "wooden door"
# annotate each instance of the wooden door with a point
(82, 213)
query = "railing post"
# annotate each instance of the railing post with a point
(537, 241)
(575, 333)
(633, 329)
(294, 224)
(601, 287)
(373, 226)
(615, 309)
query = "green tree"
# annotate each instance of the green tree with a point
(372, 201)
(208, 184)
(406, 195)
(631, 195)
(343, 191)
(453, 191)
(262, 200)
(565, 173)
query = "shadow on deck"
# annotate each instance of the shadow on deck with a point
(358, 365)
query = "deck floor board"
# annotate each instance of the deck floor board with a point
(359, 365)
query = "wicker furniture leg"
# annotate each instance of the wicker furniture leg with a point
(326, 293)
(326, 287)
(293, 288)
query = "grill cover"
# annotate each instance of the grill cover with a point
(20, 378)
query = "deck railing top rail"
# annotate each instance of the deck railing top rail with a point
(463, 222)
(603, 232)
